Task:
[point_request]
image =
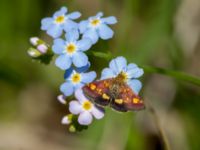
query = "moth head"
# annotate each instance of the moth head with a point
(122, 77)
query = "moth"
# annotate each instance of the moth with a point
(113, 92)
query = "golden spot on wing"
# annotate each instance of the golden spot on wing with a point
(106, 84)
(119, 101)
(99, 91)
(105, 96)
(136, 100)
(92, 86)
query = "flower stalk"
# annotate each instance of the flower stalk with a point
(156, 119)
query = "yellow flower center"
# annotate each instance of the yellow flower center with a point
(76, 78)
(71, 48)
(87, 105)
(124, 76)
(95, 22)
(60, 19)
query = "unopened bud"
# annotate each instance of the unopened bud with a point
(62, 99)
(65, 120)
(34, 41)
(72, 128)
(34, 53)
(42, 48)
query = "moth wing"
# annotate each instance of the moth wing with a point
(127, 100)
(97, 92)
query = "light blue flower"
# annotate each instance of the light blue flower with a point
(97, 26)
(69, 71)
(131, 72)
(71, 51)
(60, 21)
(76, 80)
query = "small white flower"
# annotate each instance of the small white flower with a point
(85, 109)
(34, 41)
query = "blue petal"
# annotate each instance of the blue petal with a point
(58, 46)
(69, 25)
(79, 59)
(72, 35)
(46, 23)
(107, 73)
(68, 72)
(105, 32)
(131, 66)
(74, 15)
(92, 35)
(134, 71)
(84, 68)
(63, 62)
(83, 26)
(109, 20)
(135, 85)
(67, 88)
(118, 64)
(55, 30)
(84, 44)
(60, 12)
(78, 86)
(88, 77)
(99, 14)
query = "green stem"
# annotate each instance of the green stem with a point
(175, 74)
(161, 131)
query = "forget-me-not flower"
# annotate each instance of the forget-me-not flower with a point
(59, 22)
(85, 109)
(76, 80)
(69, 71)
(130, 72)
(97, 26)
(71, 50)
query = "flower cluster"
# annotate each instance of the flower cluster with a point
(60, 22)
(71, 40)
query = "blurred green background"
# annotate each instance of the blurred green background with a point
(162, 33)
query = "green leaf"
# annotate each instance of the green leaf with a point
(106, 56)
